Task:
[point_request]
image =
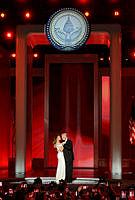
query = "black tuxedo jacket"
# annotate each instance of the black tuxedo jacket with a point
(68, 151)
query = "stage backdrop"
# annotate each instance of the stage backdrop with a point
(71, 109)
(38, 118)
(79, 134)
(4, 108)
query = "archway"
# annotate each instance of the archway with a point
(31, 35)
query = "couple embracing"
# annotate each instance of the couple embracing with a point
(65, 158)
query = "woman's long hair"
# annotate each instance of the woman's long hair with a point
(55, 140)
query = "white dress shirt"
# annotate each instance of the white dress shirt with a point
(64, 141)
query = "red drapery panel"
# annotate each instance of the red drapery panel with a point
(104, 138)
(4, 109)
(128, 90)
(38, 118)
(72, 109)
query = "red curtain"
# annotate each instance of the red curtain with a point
(38, 118)
(128, 90)
(72, 110)
(4, 109)
(104, 137)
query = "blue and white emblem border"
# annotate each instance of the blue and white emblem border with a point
(58, 44)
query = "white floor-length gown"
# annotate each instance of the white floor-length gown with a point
(61, 167)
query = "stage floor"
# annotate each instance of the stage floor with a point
(89, 173)
(80, 176)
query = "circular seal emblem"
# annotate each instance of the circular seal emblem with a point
(67, 29)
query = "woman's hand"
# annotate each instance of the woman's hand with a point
(61, 148)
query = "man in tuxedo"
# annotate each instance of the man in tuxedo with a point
(68, 155)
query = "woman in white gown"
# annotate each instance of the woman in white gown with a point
(61, 167)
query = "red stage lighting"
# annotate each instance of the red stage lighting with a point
(83, 1)
(101, 59)
(35, 55)
(22, 1)
(1, 55)
(54, 1)
(13, 55)
(87, 13)
(133, 54)
(114, 1)
(9, 35)
(27, 15)
(2, 15)
(116, 13)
